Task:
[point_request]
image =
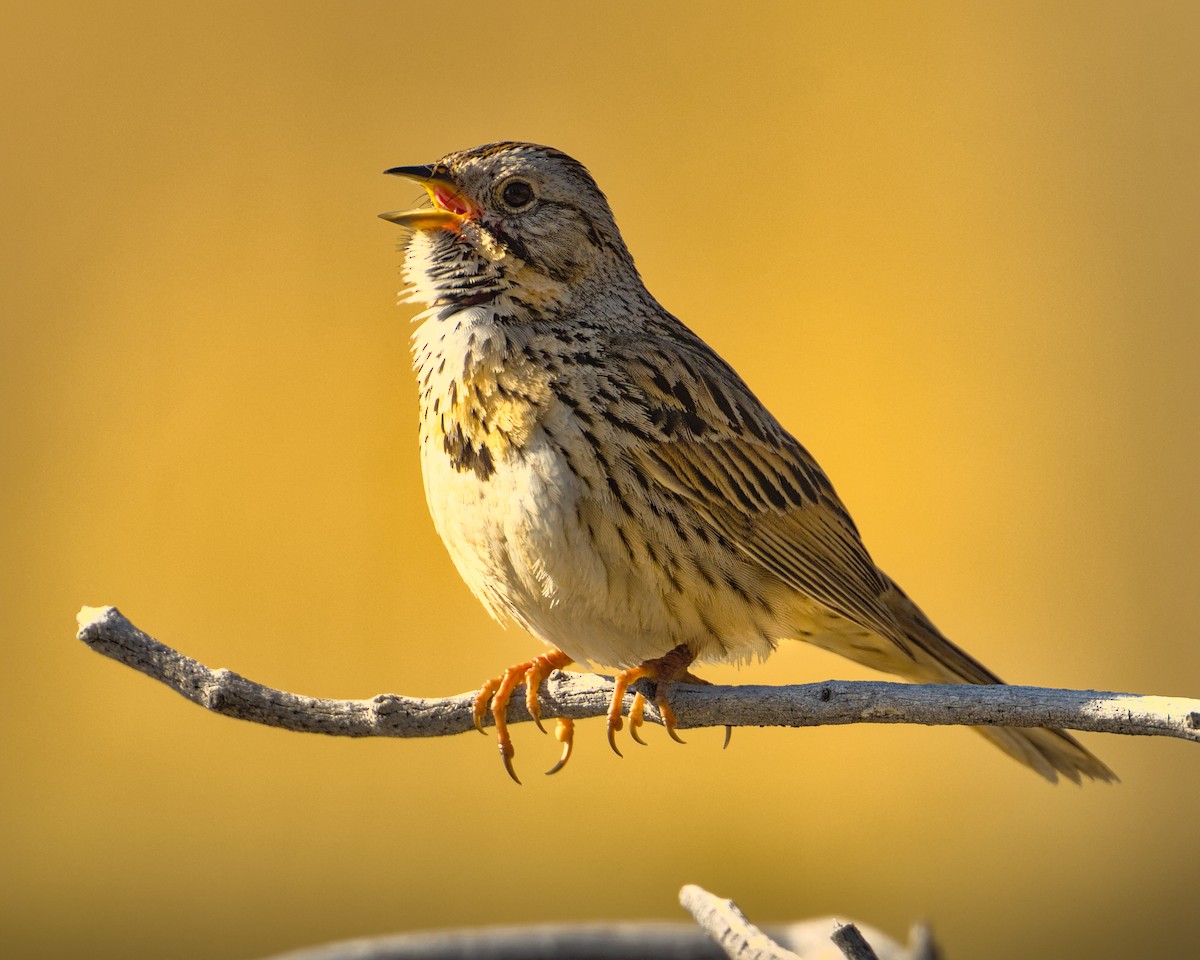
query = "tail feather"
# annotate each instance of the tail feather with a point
(1049, 751)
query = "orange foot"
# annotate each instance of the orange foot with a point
(498, 692)
(664, 671)
(637, 713)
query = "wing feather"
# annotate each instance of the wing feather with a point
(722, 451)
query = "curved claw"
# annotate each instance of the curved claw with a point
(539, 669)
(636, 714)
(506, 753)
(509, 767)
(614, 724)
(494, 696)
(562, 761)
(667, 714)
(620, 684)
(564, 733)
(479, 707)
(504, 689)
(728, 735)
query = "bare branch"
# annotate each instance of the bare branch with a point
(720, 919)
(548, 941)
(578, 696)
(852, 943)
(728, 926)
(806, 940)
(634, 940)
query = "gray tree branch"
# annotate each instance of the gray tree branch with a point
(540, 941)
(819, 939)
(722, 932)
(579, 696)
(849, 939)
(729, 928)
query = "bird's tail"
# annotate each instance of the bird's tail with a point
(1049, 751)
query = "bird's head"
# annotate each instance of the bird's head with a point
(510, 217)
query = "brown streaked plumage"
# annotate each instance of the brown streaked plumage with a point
(602, 478)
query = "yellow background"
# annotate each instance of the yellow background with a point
(953, 246)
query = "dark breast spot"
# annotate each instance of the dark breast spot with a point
(465, 455)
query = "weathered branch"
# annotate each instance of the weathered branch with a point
(739, 939)
(723, 932)
(578, 696)
(541, 941)
(849, 939)
(729, 928)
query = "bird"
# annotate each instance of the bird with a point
(604, 479)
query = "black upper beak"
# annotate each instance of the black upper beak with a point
(418, 171)
(421, 171)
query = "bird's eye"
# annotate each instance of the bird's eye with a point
(517, 194)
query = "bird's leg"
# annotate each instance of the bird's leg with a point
(539, 669)
(564, 727)
(499, 691)
(621, 683)
(663, 671)
(637, 714)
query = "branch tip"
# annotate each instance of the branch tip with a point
(91, 616)
(849, 939)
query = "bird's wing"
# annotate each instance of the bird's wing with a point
(716, 446)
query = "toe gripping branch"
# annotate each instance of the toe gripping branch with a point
(663, 671)
(498, 692)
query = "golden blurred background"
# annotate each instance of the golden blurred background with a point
(954, 246)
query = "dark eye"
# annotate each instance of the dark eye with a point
(517, 194)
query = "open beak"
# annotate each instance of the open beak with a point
(449, 208)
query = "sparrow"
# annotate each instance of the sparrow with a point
(602, 478)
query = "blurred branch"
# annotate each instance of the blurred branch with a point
(729, 928)
(849, 939)
(578, 696)
(541, 941)
(739, 939)
(724, 932)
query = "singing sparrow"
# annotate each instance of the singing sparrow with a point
(602, 478)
